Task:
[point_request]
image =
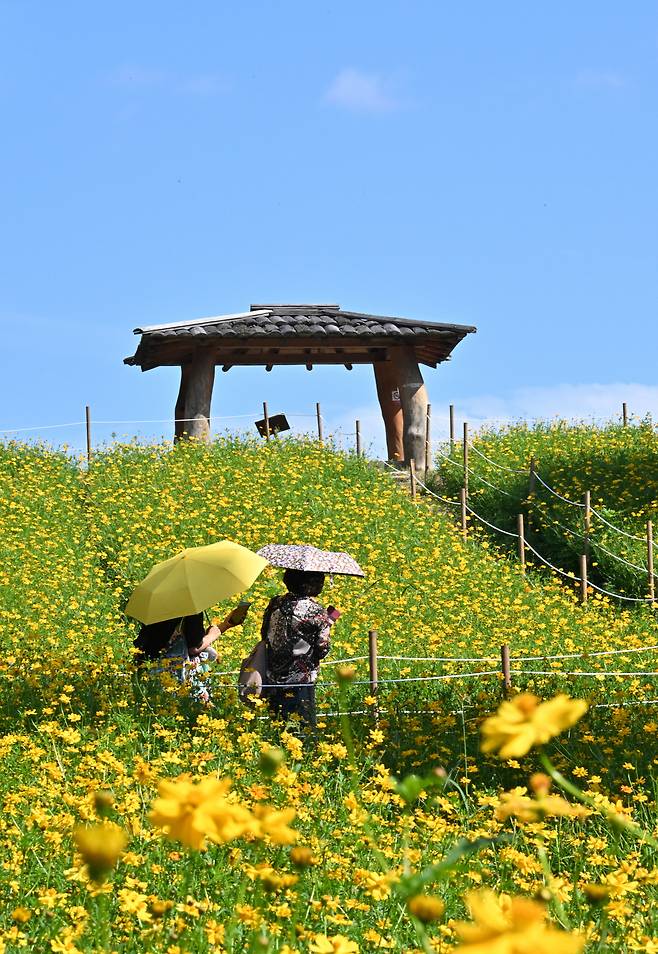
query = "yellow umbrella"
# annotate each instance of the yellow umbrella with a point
(193, 580)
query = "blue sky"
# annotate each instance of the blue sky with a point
(489, 164)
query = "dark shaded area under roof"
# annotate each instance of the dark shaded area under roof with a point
(296, 334)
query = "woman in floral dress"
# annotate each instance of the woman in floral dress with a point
(296, 629)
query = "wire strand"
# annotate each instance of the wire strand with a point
(507, 533)
(510, 470)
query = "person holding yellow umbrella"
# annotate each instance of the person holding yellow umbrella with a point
(171, 600)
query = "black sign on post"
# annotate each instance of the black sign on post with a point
(278, 422)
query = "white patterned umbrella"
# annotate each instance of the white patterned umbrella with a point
(296, 556)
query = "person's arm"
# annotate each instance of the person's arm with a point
(323, 644)
(234, 618)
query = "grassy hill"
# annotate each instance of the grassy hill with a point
(76, 721)
(617, 465)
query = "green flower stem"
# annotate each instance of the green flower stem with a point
(603, 931)
(233, 920)
(296, 908)
(423, 936)
(619, 821)
(548, 876)
(103, 920)
(348, 738)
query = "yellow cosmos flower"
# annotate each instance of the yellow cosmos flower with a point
(21, 915)
(101, 847)
(272, 823)
(505, 925)
(337, 944)
(527, 809)
(524, 722)
(191, 812)
(302, 857)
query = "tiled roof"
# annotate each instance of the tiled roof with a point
(290, 322)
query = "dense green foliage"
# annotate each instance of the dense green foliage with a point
(75, 719)
(619, 467)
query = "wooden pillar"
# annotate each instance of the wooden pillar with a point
(180, 425)
(201, 377)
(413, 397)
(388, 394)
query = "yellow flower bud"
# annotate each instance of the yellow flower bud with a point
(426, 907)
(345, 674)
(101, 846)
(302, 857)
(271, 759)
(103, 802)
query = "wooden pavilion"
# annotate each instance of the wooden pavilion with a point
(269, 335)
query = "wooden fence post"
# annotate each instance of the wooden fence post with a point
(358, 438)
(451, 415)
(267, 421)
(652, 586)
(624, 414)
(519, 523)
(412, 478)
(428, 440)
(372, 660)
(466, 457)
(588, 519)
(462, 498)
(88, 420)
(319, 417)
(505, 666)
(583, 578)
(532, 478)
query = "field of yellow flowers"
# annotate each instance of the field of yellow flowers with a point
(134, 819)
(617, 464)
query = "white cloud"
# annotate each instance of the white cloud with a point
(364, 92)
(589, 402)
(598, 403)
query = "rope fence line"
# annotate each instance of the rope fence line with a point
(574, 503)
(452, 503)
(440, 658)
(594, 543)
(586, 586)
(510, 470)
(569, 576)
(503, 676)
(618, 596)
(508, 533)
(488, 483)
(603, 652)
(167, 420)
(612, 526)
(40, 427)
(596, 674)
(601, 674)
(615, 556)
(589, 584)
